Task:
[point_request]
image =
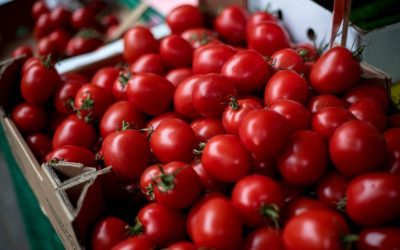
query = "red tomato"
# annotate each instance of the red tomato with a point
(110, 20)
(356, 147)
(46, 46)
(219, 215)
(182, 245)
(311, 53)
(289, 59)
(153, 123)
(265, 165)
(61, 17)
(199, 37)
(291, 192)
(140, 242)
(267, 38)
(29, 118)
(176, 51)
(74, 77)
(301, 205)
(374, 199)
(92, 101)
(176, 76)
(74, 131)
(331, 189)
(315, 230)
(43, 26)
(247, 70)
(149, 63)
(40, 145)
(72, 153)
(105, 77)
(59, 38)
(128, 152)
(260, 17)
(183, 103)
(286, 84)
(82, 44)
(264, 132)
(119, 113)
(379, 238)
(304, 158)
(108, 232)
(370, 111)
(263, 238)
(138, 41)
(392, 137)
(231, 24)
(297, 115)
(64, 97)
(22, 50)
(184, 17)
(258, 199)
(211, 58)
(211, 94)
(374, 91)
(120, 86)
(84, 18)
(146, 180)
(327, 120)
(320, 102)
(208, 182)
(39, 8)
(206, 128)
(335, 71)
(149, 93)
(225, 158)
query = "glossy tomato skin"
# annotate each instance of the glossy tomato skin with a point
(260, 17)
(72, 153)
(173, 140)
(148, 63)
(253, 196)
(182, 245)
(247, 70)
(40, 144)
(29, 118)
(74, 77)
(331, 189)
(64, 97)
(59, 39)
(379, 238)
(120, 85)
(218, 214)
(80, 45)
(320, 102)
(176, 76)
(374, 199)
(135, 243)
(206, 128)
(370, 111)
(47, 46)
(43, 26)
(290, 59)
(231, 24)
(335, 71)
(23, 50)
(92, 101)
(138, 41)
(176, 51)
(264, 132)
(208, 182)
(374, 91)
(297, 115)
(157, 120)
(118, 113)
(149, 93)
(327, 120)
(184, 17)
(83, 18)
(356, 147)
(39, 8)
(199, 37)
(263, 238)
(183, 101)
(105, 77)
(264, 165)
(301, 205)
(392, 138)
(211, 58)
(128, 152)
(60, 16)
(266, 38)
(108, 232)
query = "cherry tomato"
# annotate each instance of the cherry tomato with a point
(39, 8)
(199, 37)
(290, 59)
(311, 53)
(32, 61)
(184, 17)
(46, 46)
(392, 138)
(208, 182)
(149, 63)
(370, 111)
(297, 115)
(64, 97)
(108, 232)
(22, 50)
(182, 245)
(211, 58)
(267, 38)
(59, 38)
(176, 76)
(374, 91)
(40, 144)
(327, 120)
(82, 44)
(331, 189)
(301, 205)
(120, 86)
(105, 77)
(260, 17)
(206, 128)
(176, 51)
(356, 147)
(43, 26)
(379, 238)
(183, 102)
(320, 102)
(138, 41)
(135, 243)
(156, 121)
(231, 24)
(263, 238)
(60, 16)
(72, 153)
(29, 118)
(146, 181)
(83, 18)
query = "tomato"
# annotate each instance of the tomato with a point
(290, 59)
(356, 147)
(128, 152)
(320, 102)
(311, 53)
(327, 120)
(231, 24)
(199, 37)
(149, 63)
(331, 189)
(211, 58)
(46, 46)
(392, 138)
(146, 180)
(335, 71)
(183, 103)
(267, 38)
(263, 238)
(22, 50)
(29, 118)
(379, 238)
(43, 26)
(110, 20)
(301, 205)
(260, 17)
(264, 132)
(156, 121)
(304, 158)
(138, 41)
(176, 186)
(208, 182)
(258, 199)
(291, 192)
(72, 153)
(135, 243)
(105, 77)
(182, 245)
(83, 18)
(184, 17)
(74, 131)
(119, 113)
(108, 232)
(373, 91)
(40, 145)
(265, 165)
(60, 16)
(318, 229)
(286, 84)
(225, 158)
(370, 111)
(176, 76)
(39, 8)
(64, 97)
(374, 199)
(297, 115)
(92, 101)
(206, 128)
(120, 86)
(176, 51)
(161, 225)
(212, 222)
(149, 93)
(211, 94)
(59, 38)
(82, 44)
(73, 77)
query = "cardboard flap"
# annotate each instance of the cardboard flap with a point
(9, 76)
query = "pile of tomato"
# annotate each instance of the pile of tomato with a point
(225, 135)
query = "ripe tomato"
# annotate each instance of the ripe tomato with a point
(331, 189)
(173, 140)
(59, 38)
(267, 38)
(320, 102)
(374, 199)
(176, 51)
(311, 53)
(82, 44)
(84, 18)
(109, 21)
(149, 63)
(39, 8)
(183, 102)
(29, 118)
(157, 120)
(146, 181)
(105, 77)
(61, 17)
(231, 24)
(120, 85)
(72, 153)
(263, 238)
(138, 41)
(74, 77)
(372, 90)
(216, 213)
(206, 128)
(40, 145)
(64, 97)
(74, 131)
(225, 158)
(258, 199)
(286, 84)
(135, 243)
(46, 46)
(297, 115)
(291, 192)
(92, 101)
(176, 76)
(392, 138)
(327, 120)
(260, 17)
(32, 61)
(265, 165)
(149, 93)
(128, 153)
(356, 147)
(211, 58)
(184, 17)
(108, 232)
(43, 26)
(208, 182)
(290, 59)
(199, 37)
(379, 238)
(264, 132)
(335, 71)
(119, 113)
(182, 245)
(301, 205)
(370, 111)
(22, 50)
